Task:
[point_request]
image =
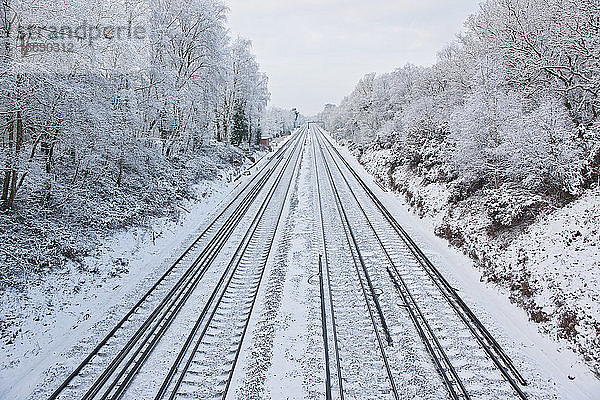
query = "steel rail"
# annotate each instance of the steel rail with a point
(324, 328)
(329, 291)
(211, 302)
(239, 347)
(138, 362)
(175, 301)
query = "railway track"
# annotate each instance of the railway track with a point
(329, 330)
(110, 368)
(205, 369)
(359, 331)
(463, 351)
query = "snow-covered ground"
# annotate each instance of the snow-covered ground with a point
(282, 350)
(561, 254)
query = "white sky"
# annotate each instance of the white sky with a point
(315, 51)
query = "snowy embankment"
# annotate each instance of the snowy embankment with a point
(49, 310)
(550, 266)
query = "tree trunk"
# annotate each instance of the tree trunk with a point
(13, 190)
(18, 142)
(49, 158)
(5, 187)
(120, 176)
(120, 172)
(249, 131)
(7, 172)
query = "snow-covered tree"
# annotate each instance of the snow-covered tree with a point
(513, 102)
(143, 79)
(279, 121)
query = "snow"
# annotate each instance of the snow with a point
(282, 351)
(562, 253)
(550, 360)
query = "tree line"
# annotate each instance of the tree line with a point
(510, 106)
(111, 103)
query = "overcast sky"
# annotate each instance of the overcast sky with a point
(314, 51)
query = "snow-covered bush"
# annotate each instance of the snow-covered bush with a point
(544, 151)
(508, 206)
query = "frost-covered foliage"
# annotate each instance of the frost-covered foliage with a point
(278, 121)
(174, 94)
(514, 101)
(100, 137)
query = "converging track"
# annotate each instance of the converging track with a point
(397, 280)
(387, 323)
